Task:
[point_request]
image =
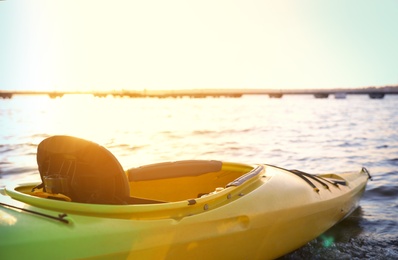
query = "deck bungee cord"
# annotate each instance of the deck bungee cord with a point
(306, 177)
(61, 217)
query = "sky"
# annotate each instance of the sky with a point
(181, 44)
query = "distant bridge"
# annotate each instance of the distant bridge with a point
(202, 93)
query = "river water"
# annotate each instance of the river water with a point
(295, 132)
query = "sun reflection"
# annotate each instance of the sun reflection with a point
(327, 241)
(7, 219)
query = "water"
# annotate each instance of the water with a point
(296, 132)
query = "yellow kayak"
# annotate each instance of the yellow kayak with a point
(89, 207)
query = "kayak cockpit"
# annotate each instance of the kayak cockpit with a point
(85, 172)
(174, 194)
(84, 177)
(181, 180)
(171, 181)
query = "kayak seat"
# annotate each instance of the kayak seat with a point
(82, 170)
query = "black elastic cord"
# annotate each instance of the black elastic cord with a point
(316, 178)
(60, 217)
(367, 172)
(40, 186)
(335, 183)
(299, 174)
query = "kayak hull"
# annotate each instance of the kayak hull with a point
(265, 214)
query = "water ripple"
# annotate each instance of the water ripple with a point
(297, 132)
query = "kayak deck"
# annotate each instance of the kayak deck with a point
(177, 195)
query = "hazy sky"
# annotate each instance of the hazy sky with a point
(168, 44)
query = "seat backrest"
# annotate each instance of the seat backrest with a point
(89, 173)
